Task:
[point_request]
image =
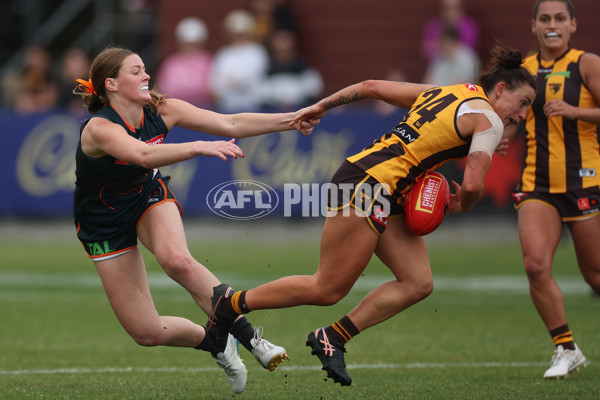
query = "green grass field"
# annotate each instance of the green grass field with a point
(476, 337)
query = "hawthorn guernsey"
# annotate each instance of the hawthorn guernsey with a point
(426, 203)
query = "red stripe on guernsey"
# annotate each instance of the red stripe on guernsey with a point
(156, 140)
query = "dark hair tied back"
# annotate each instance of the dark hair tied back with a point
(505, 66)
(507, 58)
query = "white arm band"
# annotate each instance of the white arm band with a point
(489, 139)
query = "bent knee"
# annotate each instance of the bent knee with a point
(177, 265)
(423, 290)
(146, 338)
(330, 296)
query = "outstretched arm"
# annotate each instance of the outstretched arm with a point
(179, 113)
(399, 94)
(101, 137)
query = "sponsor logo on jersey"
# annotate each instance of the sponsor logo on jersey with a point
(98, 248)
(471, 87)
(406, 133)
(379, 216)
(587, 172)
(517, 197)
(155, 140)
(566, 74)
(587, 203)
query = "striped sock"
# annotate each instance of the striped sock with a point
(342, 331)
(563, 336)
(238, 302)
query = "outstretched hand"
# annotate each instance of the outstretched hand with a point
(222, 149)
(304, 120)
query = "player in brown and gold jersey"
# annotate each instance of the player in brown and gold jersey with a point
(443, 123)
(560, 183)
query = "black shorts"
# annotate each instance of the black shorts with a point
(351, 187)
(575, 205)
(109, 233)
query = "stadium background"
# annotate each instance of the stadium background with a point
(347, 41)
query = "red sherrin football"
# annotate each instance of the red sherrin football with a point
(426, 203)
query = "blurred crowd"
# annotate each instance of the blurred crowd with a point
(259, 65)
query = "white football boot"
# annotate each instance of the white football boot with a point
(265, 352)
(564, 362)
(230, 361)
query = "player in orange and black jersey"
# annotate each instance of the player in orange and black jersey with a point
(560, 184)
(443, 123)
(121, 197)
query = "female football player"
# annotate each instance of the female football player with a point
(120, 197)
(443, 123)
(560, 184)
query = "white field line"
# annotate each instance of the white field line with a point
(282, 368)
(485, 284)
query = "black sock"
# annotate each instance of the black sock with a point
(204, 343)
(243, 331)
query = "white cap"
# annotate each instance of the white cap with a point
(191, 30)
(239, 21)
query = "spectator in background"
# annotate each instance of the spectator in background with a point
(290, 83)
(452, 14)
(270, 16)
(32, 89)
(75, 64)
(456, 63)
(239, 67)
(185, 73)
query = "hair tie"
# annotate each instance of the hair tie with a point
(86, 86)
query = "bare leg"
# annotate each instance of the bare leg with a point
(406, 256)
(161, 232)
(585, 236)
(347, 245)
(126, 285)
(540, 228)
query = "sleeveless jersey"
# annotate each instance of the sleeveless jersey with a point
(424, 140)
(562, 154)
(106, 186)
